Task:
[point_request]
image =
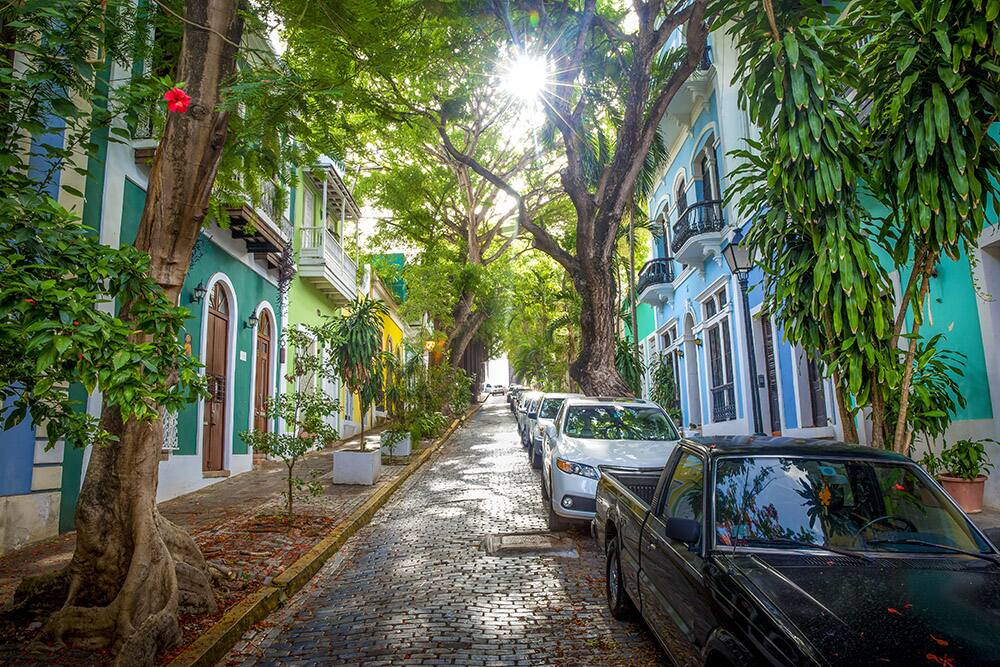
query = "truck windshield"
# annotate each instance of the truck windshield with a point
(612, 422)
(854, 504)
(550, 407)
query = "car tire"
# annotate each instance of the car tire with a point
(619, 604)
(545, 489)
(556, 523)
(536, 458)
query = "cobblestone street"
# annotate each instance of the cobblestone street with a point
(417, 586)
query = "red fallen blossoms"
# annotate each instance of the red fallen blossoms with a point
(177, 100)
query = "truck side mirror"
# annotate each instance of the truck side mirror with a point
(687, 531)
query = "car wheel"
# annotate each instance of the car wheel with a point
(618, 601)
(556, 523)
(536, 458)
(545, 489)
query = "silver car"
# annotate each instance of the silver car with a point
(521, 414)
(589, 433)
(548, 408)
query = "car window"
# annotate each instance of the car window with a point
(857, 504)
(684, 497)
(559, 417)
(613, 422)
(550, 407)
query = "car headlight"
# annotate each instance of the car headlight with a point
(571, 468)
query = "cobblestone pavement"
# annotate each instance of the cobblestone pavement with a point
(417, 587)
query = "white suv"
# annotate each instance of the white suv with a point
(589, 433)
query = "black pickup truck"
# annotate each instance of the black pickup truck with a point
(757, 551)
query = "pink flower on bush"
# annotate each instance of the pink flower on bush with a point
(177, 100)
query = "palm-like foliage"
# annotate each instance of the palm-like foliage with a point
(353, 342)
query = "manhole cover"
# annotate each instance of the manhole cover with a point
(523, 544)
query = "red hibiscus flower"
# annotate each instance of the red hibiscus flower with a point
(177, 100)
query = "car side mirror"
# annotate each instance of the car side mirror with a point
(550, 431)
(687, 531)
(532, 415)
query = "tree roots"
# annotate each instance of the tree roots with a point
(167, 575)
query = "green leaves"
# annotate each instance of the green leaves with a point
(822, 280)
(55, 281)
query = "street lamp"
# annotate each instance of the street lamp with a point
(739, 260)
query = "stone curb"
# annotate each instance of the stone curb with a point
(214, 643)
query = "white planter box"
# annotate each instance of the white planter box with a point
(354, 467)
(401, 448)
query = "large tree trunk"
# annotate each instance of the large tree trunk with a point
(594, 369)
(460, 341)
(133, 571)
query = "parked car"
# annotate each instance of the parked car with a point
(523, 412)
(512, 396)
(588, 433)
(547, 411)
(792, 552)
(498, 390)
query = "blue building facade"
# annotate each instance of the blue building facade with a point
(698, 324)
(699, 327)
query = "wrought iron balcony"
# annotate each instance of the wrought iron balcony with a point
(656, 279)
(263, 226)
(723, 403)
(698, 232)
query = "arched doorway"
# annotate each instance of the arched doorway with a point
(691, 371)
(262, 373)
(216, 357)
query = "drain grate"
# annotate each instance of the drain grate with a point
(530, 544)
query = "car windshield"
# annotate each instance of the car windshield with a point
(550, 407)
(854, 504)
(613, 422)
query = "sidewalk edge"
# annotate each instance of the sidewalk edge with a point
(215, 642)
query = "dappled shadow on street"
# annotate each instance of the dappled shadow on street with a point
(417, 584)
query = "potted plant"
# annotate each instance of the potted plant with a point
(397, 441)
(353, 341)
(962, 470)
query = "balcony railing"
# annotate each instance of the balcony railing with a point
(655, 272)
(321, 249)
(699, 218)
(723, 403)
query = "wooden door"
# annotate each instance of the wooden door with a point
(772, 375)
(262, 380)
(216, 357)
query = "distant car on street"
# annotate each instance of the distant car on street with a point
(590, 432)
(750, 551)
(547, 410)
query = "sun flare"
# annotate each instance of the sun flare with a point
(525, 77)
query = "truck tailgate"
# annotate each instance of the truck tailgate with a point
(639, 482)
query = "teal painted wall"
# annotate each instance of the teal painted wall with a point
(952, 310)
(250, 287)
